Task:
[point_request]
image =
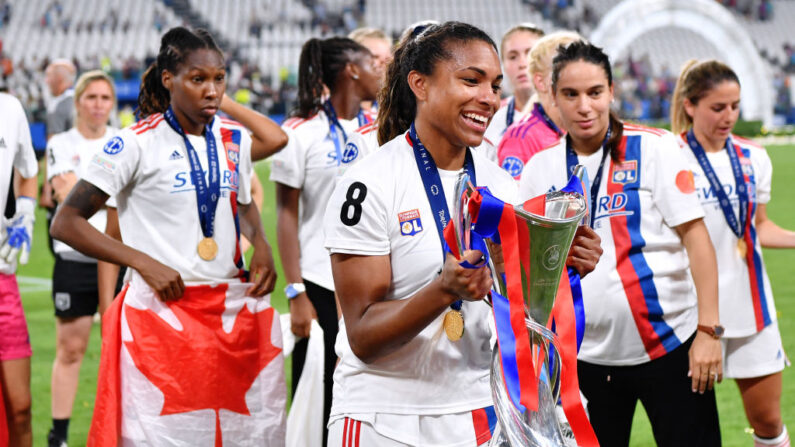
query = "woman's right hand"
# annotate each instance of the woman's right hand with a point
(302, 312)
(164, 280)
(466, 283)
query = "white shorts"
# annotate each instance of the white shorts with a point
(757, 355)
(469, 429)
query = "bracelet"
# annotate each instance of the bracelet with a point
(294, 289)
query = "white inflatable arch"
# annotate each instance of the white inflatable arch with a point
(631, 18)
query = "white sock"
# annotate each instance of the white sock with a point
(782, 440)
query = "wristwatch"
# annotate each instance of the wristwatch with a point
(715, 331)
(294, 289)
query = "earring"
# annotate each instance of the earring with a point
(355, 77)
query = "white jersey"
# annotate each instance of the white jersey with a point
(640, 301)
(430, 375)
(70, 151)
(499, 124)
(310, 163)
(146, 168)
(746, 299)
(16, 151)
(362, 142)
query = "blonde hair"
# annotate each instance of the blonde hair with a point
(539, 60)
(359, 35)
(696, 80)
(525, 27)
(90, 76)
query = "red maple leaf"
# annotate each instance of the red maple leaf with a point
(202, 366)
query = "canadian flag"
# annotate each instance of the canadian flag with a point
(204, 370)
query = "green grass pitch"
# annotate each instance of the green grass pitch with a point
(39, 312)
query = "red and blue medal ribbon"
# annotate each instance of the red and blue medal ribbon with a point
(334, 123)
(434, 191)
(207, 193)
(231, 140)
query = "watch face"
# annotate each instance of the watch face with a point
(718, 330)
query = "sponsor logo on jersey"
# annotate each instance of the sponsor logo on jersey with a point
(626, 172)
(513, 165)
(183, 181)
(685, 181)
(350, 153)
(175, 155)
(410, 222)
(106, 165)
(610, 206)
(113, 146)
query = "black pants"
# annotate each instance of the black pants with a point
(678, 416)
(326, 308)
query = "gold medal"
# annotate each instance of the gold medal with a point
(742, 248)
(454, 325)
(207, 249)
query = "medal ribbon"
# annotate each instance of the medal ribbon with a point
(496, 220)
(539, 110)
(737, 225)
(334, 123)
(511, 111)
(432, 182)
(207, 193)
(572, 161)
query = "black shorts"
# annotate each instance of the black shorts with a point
(74, 288)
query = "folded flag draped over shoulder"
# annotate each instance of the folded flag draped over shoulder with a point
(206, 369)
(497, 220)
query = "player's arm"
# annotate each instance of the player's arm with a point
(267, 137)
(262, 269)
(27, 186)
(770, 234)
(705, 354)
(302, 312)
(376, 327)
(71, 226)
(62, 184)
(108, 273)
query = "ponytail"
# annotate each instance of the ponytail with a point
(696, 80)
(319, 67)
(175, 46)
(616, 132)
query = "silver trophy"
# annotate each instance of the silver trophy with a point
(551, 236)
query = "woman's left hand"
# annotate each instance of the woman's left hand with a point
(585, 251)
(262, 270)
(706, 363)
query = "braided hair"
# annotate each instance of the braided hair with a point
(175, 46)
(319, 67)
(397, 106)
(587, 52)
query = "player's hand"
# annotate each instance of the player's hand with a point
(17, 237)
(585, 251)
(164, 280)
(302, 312)
(706, 365)
(466, 283)
(262, 271)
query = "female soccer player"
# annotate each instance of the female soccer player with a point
(542, 127)
(516, 44)
(305, 173)
(17, 156)
(726, 167)
(75, 287)
(642, 308)
(177, 162)
(401, 381)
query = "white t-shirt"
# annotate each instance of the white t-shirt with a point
(499, 123)
(746, 306)
(640, 301)
(70, 151)
(146, 168)
(309, 163)
(430, 375)
(16, 151)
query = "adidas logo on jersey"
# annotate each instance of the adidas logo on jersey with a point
(2, 143)
(175, 155)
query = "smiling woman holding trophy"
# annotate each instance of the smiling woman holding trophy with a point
(414, 346)
(642, 309)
